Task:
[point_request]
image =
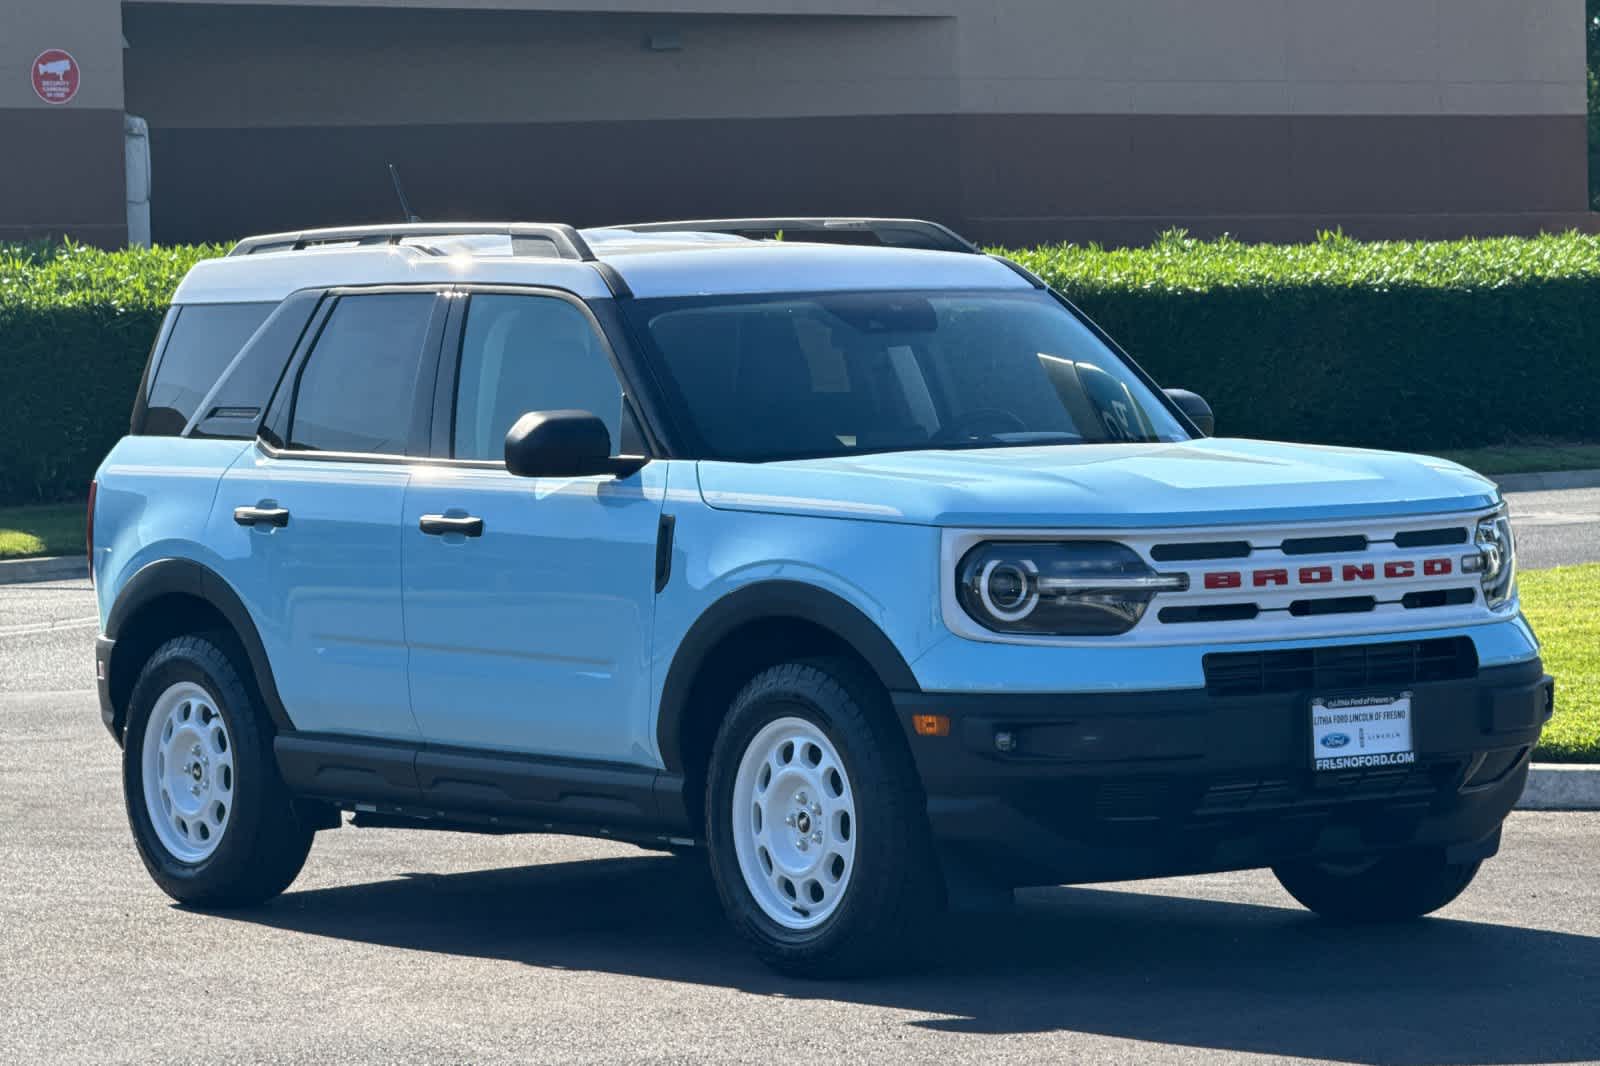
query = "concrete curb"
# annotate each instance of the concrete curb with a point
(51, 568)
(1560, 479)
(1559, 787)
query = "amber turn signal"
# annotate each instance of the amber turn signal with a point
(931, 725)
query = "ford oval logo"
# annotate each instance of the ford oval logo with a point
(1335, 740)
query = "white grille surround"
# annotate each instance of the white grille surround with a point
(1284, 604)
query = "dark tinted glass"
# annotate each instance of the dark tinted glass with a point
(357, 390)
(528, 353)
(235, 406)
(792, 375)
(204, 340)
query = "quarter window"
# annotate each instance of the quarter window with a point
(204, 340)
(357, 391)
(528, 353)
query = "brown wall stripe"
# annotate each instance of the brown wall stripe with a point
(1011, 177)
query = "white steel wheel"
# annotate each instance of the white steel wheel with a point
(188, 772)
(794, 823)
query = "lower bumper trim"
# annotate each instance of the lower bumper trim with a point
(1077, 788)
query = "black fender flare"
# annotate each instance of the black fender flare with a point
(166, 577)
(770, 600)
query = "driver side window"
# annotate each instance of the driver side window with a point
(528, 353)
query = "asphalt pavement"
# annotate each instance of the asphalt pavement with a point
(399, 946)
(1556, 528)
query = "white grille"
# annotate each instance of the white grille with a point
(1277, 582)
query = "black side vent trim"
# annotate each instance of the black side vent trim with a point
(664, 532)
(1255, 673)
(1188, 553)
(1325, 545)
(1430, 538)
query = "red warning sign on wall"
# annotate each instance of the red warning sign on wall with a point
(55, 76)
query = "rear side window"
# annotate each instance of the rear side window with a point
(204, 340)
(357, 391)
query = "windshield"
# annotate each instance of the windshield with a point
(791, 375)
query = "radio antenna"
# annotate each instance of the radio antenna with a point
(399, 190)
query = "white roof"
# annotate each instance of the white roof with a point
(793, 266)
(258, 278)
(652, 264)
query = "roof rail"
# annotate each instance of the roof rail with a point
(527, 238)
(892, 232)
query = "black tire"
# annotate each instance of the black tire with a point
(264, 842)
(894, 887)
(1391, 888)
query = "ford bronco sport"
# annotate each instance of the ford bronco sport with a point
(841, 552)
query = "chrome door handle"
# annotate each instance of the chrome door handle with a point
(437, 525)
(261, 516)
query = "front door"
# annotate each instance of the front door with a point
(529, 601)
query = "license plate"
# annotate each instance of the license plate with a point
(1356, 732)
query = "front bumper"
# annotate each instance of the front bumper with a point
(1113, 786)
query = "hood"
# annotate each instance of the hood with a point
(1109, 486)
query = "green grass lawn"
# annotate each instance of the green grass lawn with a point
(1560, 604)
(52, 529)
(1535, 457)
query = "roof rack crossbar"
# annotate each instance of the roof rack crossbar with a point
(567, 242)
(905, 232)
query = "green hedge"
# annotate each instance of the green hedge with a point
(75, 327)
(1415, 346)
(1408, 345)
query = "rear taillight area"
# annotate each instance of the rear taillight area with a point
(88, 528)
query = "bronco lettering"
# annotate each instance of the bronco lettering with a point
(1324, 575)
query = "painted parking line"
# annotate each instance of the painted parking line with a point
(31, 628)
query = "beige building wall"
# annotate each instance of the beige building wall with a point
(61, 164)
(1275, 118)
(1274, 57)
(90, 29)
(1013, 119)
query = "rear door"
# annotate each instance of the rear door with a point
(309, 518)
(530, 633)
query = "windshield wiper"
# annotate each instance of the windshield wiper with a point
(1008, 440)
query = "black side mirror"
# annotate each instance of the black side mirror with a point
(1195, 406)
(564, 444)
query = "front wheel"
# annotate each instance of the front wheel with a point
(816, 823)
(1386, 888)
(214, 823)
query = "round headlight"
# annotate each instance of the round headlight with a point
(1008, 589)
(1066, 588)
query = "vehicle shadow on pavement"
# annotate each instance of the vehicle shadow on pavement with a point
(1206, 974)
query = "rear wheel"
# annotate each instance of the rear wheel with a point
(1386, 888)
(816, 824)
(213, 821)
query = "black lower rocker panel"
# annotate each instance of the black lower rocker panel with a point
(494, 791)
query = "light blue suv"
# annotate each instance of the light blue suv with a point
(835, 550)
